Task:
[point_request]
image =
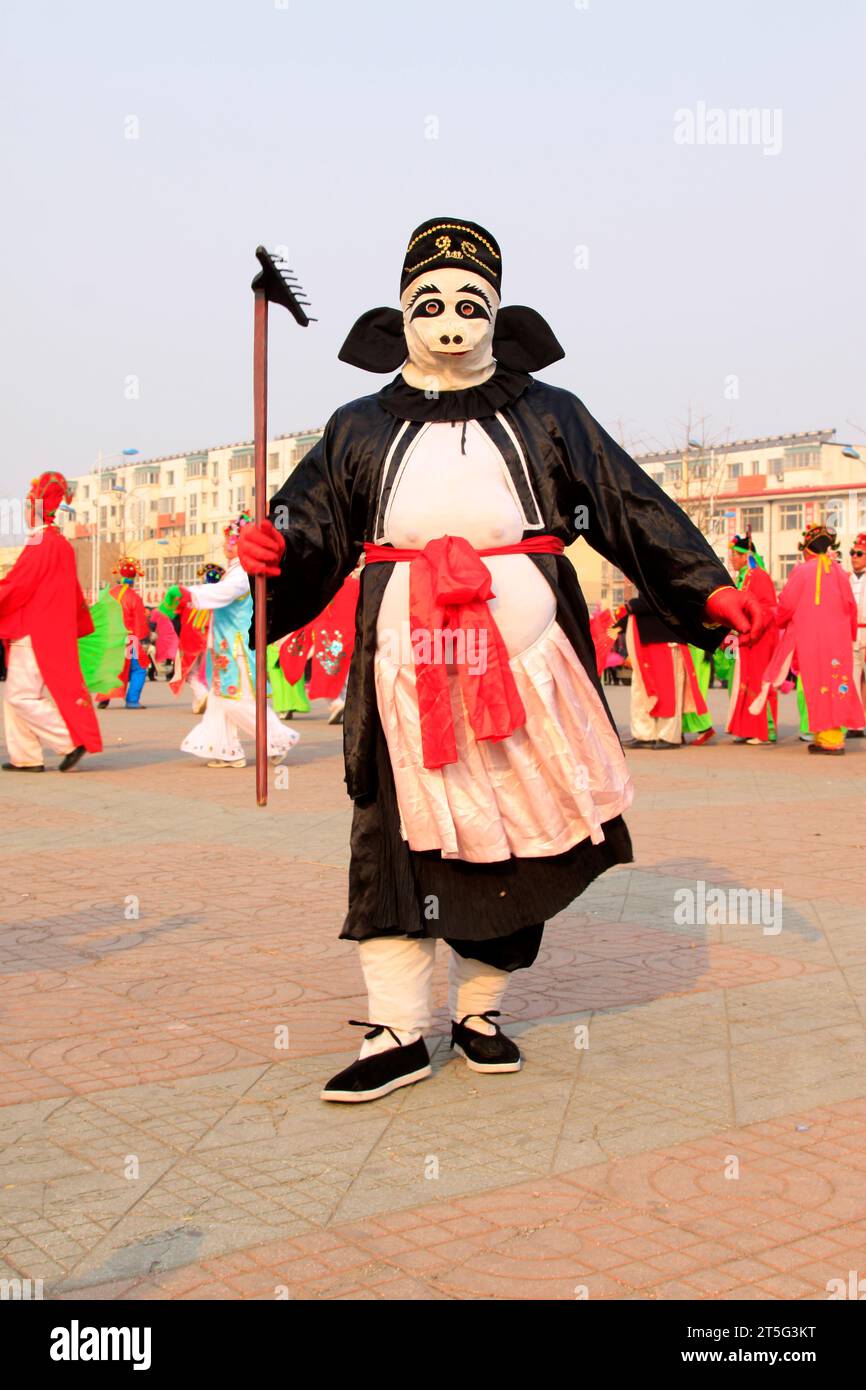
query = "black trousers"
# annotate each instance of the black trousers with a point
(514, 952)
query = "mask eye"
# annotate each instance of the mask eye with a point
(468, 309)
(428, 309)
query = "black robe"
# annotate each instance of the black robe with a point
(572, 480)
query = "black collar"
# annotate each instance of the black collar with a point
(473, 403)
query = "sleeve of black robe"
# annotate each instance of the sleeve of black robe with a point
(312, 513)
(637, 527)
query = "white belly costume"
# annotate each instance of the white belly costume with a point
(555, 780)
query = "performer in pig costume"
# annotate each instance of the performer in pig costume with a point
(488, 780)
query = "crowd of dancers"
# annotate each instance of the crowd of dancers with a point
(59, 657)
(813, 644)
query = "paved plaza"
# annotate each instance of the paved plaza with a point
(690, 1122)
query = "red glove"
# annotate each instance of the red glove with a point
(741, 611)
(260, 548)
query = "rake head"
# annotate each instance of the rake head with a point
(277, 282)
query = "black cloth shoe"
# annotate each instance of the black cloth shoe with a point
(855, 733)
(370, 1078)
(102, 704)
(482, 1051)
(639, 743)
(661, 743)
(12, 767)
(72, 758)
(828, 752)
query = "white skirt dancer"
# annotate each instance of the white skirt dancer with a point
(217, 735)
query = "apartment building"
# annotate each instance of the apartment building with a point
(774, 486)
(169, 513)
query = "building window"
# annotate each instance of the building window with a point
(802, 456)
(832, 511)
(756, 467)
(214, 499)
(786, 564)
(169, 479)
(192, 504)
(791, 516)
(151, 573)
(752, 518)
(166, 505)
(735, 470)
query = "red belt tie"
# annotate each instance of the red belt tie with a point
(449, 588)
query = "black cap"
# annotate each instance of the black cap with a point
(455, 243)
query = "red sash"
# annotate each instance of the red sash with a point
(655, 660)
(449, 589)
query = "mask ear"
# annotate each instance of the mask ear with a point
(376, 342)
(523, 340)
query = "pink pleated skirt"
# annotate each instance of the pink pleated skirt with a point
(549, 785)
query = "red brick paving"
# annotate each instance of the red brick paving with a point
(231, 944)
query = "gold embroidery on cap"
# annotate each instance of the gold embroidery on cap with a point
(412, 270)
(453, 227)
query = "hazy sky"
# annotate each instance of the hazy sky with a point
(306, 123)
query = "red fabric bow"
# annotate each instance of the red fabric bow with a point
(449, 589)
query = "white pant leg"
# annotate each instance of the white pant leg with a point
(671, 730)
(474, 988)
(30, 715)
(398, 973)
(643, 725)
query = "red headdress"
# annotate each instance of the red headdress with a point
(860, 540)
(47, 492)
(127, 568)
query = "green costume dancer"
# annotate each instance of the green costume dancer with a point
(285, 698)
(700, 723)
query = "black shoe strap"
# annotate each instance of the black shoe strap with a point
(488, 1018)
(377, 1029)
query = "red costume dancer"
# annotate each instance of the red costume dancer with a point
(819, 617)
(135, 617)
(166, 644)
(664, 683)
(603, 634)
(752, 661)
(330, 640)
(858, 589)
(191, 660)
(42, 615)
